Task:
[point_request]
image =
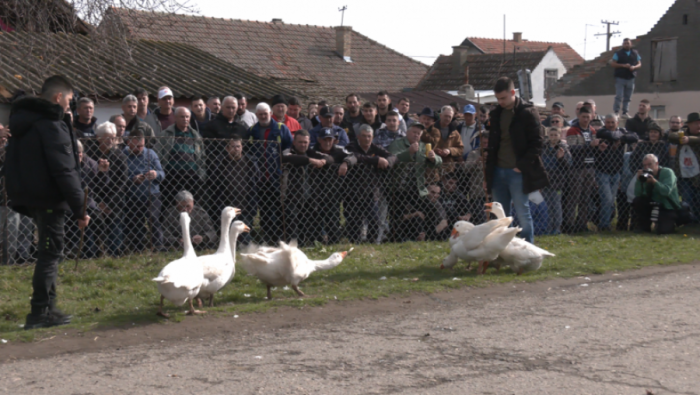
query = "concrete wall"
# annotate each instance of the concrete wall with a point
(549, 61)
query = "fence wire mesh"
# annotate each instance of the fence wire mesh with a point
(135, 200)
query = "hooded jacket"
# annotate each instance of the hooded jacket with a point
(41, 165)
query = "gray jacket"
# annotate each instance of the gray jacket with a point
(165, 144)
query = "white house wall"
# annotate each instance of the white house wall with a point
(102, 111)
(549, 61)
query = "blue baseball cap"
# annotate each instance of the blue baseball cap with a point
(326, 132)
(469, 109)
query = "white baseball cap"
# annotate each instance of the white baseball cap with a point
(165, 92)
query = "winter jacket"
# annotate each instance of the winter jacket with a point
(660, 149)
(354, 129)
(200, 225)
(526, 134)
(364, 179)
(113, 185)
(579, 141)
(142, 164)
(266, 150)
(167, 142)
(557, 168)
(152, 120)
(694, 144)
(198, 125)
(664, 192)
(610, 159)
(295, 180)
(41, 163)
(305, 123)
(221, 128)
(343, 139)
(291, 124)
(137, 124)
(418, 163)
(383, 137)
(453, 141)
(642, 127)
(83, 130)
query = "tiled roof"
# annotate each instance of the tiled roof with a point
(279, 50)
(581, 72)
(421, 99)
(484, 70)
(566, 54)
(27, 59)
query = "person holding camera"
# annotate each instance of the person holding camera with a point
(656, 197)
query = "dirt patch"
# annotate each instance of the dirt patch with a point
(73, 341)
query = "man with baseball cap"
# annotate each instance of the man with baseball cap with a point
(164, 112)
(328, 186)
(325, 114)
(467, 129)
(557, 109)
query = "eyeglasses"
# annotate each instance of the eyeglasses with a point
(553, 121)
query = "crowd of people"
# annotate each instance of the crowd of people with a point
(368, 172)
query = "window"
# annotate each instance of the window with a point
(658, 112)
(685, 19)
(664, 65)
(550, 78)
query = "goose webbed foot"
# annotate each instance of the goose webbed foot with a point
(296, 289)
(160, 309)
(193, 311)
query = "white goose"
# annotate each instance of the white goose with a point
(180, 280)
(220, 266)
(520, 255)
(287, 265)
(470, 238)
(488, 250)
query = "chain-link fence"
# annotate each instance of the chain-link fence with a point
(134, 200)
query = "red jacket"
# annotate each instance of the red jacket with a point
(291, 124)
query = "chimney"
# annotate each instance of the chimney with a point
(343, 41)
(518, 37)
(459, 59)
(277, 20)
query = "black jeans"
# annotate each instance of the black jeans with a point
(666, 223)
(50, 225)
(143, 212)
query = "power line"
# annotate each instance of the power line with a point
(608, 34)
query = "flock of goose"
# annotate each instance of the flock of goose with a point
(192, 277)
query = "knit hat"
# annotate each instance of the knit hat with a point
(279, 99)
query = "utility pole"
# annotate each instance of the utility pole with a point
(608, 34)
(342, 13)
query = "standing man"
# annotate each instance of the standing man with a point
(144, 114)
(327, 116)
(130, 110)
(164, 112)
(626, 62)
(84, 124)
(404, 107)
(468, 131)
(513, 164)
(201, 115)
(557, 109)
(270, 139)
(353, 115)
(642, 122)
(384, 106)
(42, 176)
(294, 111)
(279, 114)
(214, 105)
(242, 114)
(583, 144)
(687, 164)
(444, 136)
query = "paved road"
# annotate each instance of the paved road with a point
(620, 334)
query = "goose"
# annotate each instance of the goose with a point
(470, 237)
(460, 228)
(220, 266)
(179, 281)
(287, 265)
(520, 255)
(488, 250)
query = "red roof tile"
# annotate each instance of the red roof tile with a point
(279, 50)
(566, 54)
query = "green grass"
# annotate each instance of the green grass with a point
(119, 292)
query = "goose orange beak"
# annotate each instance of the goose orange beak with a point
(454, 233)
(246, 229)
(344, 254)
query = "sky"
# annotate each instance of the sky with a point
(424, 30)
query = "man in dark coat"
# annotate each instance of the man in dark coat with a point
(42, 174)
(513, 164)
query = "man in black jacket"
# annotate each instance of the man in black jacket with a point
(513, 164)
(296, 185)
(42, 175)
(626, 62)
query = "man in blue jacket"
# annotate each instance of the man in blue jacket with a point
(269, 139)
(42, 175)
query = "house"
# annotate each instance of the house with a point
(106, 72)
(478, 45)
(451, 72)
(321, 61)
(672, 85)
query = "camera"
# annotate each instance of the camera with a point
(646, 174)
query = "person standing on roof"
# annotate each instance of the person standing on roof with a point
(626, 62)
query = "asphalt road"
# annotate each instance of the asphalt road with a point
(610, 334)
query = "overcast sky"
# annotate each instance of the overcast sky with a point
(426, 29)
